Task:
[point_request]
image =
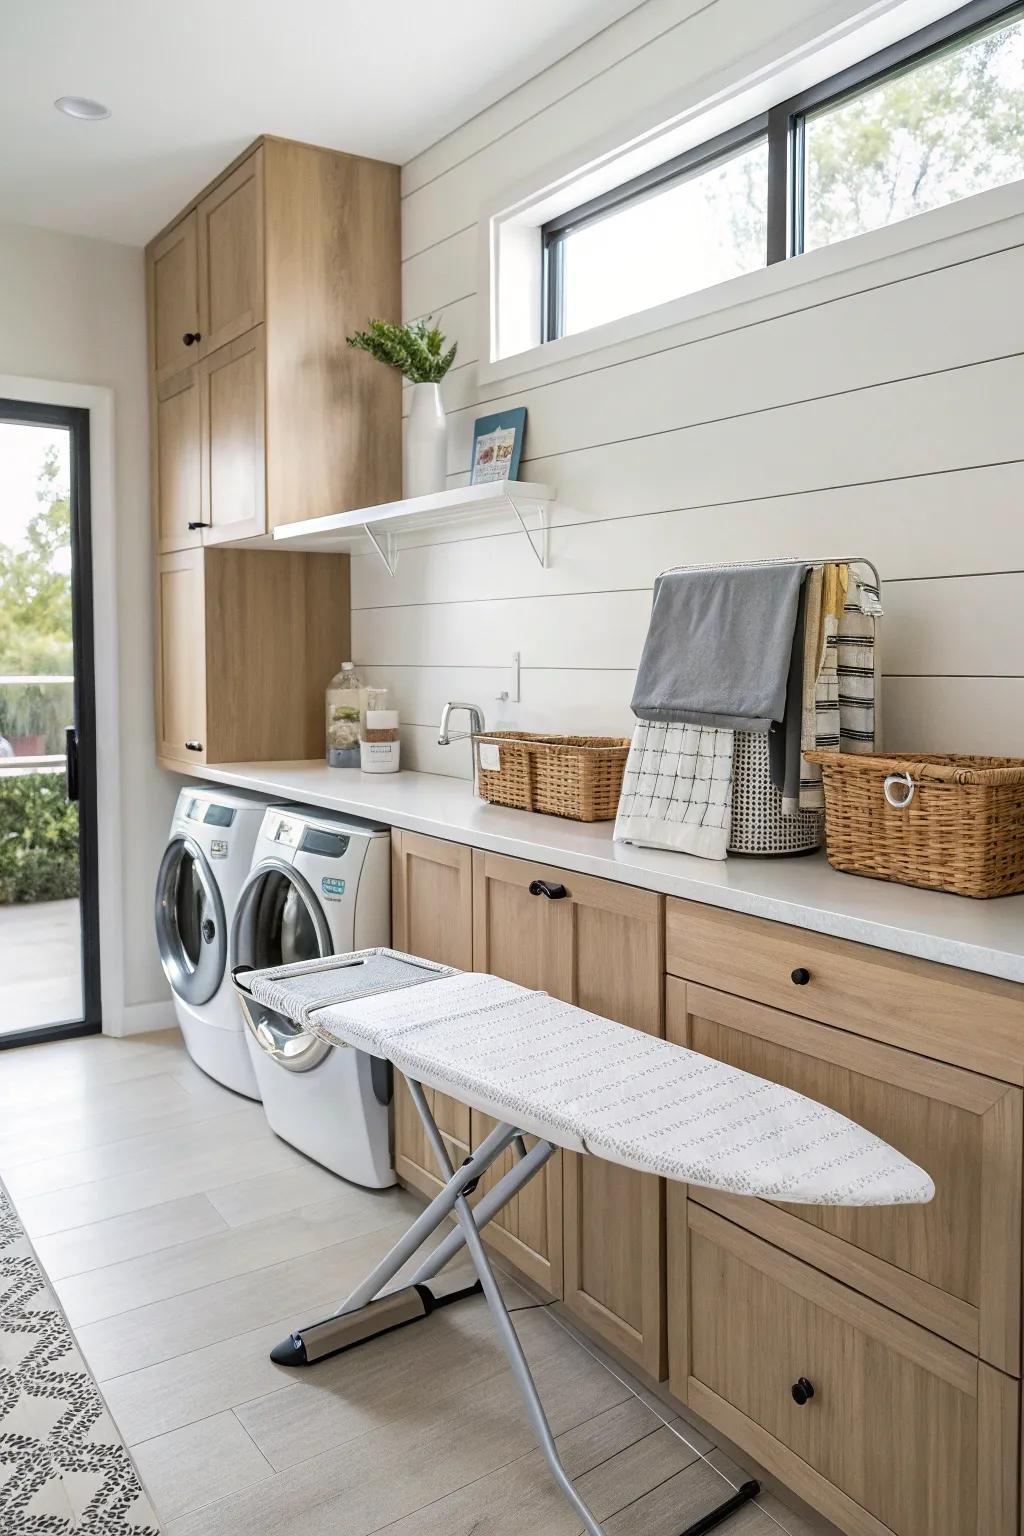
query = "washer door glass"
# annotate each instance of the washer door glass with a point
(280, 922)
(190, 926)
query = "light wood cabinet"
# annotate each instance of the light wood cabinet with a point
(176, 467)
(232, 439)
(904, 1433)
(954, 1265)
(230, 242)
(173, 275)
(244, 640)
(431, 916)
(258, 283)
(594, 1234)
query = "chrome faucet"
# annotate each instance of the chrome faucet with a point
(476, 723)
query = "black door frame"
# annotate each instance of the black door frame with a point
(75, 419)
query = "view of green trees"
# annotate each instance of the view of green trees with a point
(38, 826)
(35, 620)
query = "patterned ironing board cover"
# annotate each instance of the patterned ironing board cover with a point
(591, 1085)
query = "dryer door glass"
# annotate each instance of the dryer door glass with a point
(280, 922)
(190, 927)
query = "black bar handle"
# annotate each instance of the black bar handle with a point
(193, 746)
(549, 889)
(71, 764)
(193, 526)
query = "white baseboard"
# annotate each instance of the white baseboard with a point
(141, 1019)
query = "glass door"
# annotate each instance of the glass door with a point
(49, 918)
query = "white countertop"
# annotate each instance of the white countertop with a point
(985, 936)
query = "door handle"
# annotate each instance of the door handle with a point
(193, 526)
(549, 889)
(71, 757)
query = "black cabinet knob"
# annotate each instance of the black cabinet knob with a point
(193, 746)
(802, 1391)
(191, 337)
(549, 889)
(800, 977)
(198, 524)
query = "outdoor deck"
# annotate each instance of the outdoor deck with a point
(40, 964)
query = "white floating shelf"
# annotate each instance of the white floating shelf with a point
(384, 525)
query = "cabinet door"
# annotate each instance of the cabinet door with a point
(173, 298)
(614, 1217)
(230, 240)
(232, 391)
(177, 479)
(600, 946)
(953, 1265)
(432, 916)
(901, 1432)
(181, 658)
(526, 939)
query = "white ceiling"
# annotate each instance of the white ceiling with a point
(191, 82)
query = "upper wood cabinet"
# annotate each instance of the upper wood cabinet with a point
(176, 466)
(257, 285)
(230, 242)
(173, 273)
(431, 916)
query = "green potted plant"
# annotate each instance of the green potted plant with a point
(418, 352)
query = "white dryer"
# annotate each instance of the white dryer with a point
(320, 884)
(204, 867)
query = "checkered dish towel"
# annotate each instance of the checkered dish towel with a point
(677, 789)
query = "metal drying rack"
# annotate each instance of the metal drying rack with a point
(740, 565)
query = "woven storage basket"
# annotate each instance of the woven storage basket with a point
(961, 828)
(575, 776)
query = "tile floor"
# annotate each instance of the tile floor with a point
(184, 1240)
(40, 964)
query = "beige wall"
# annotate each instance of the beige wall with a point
(875, 412)
(73, 310)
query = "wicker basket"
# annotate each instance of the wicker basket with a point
(946, 823)
(575, 776)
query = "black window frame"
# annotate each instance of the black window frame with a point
(784, 127)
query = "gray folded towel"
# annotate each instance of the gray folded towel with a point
(718, 647)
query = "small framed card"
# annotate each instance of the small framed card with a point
(498, 446)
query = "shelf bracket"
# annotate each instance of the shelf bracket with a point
(541, 553)
(387, 551)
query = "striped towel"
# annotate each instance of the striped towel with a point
(840, 705)
(677, 789)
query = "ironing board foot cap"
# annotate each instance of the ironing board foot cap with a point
(291, 1351)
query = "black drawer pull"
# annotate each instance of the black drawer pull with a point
(549, 889)
(191, 337)
(193, 746)
(802, 1391)
(800, 977)
(193, 526)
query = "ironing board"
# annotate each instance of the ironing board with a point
(571, 1079)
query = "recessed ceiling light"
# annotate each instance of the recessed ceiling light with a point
(81, 106)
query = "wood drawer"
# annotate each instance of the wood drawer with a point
(958, 1016)
(904, 1432)
(954, 1266)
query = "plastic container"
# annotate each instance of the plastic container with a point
(380, 749)
(346, 700)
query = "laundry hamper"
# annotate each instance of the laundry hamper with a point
(758, 825)
(578, 777)
(948, 823)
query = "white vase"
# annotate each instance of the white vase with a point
(425, 457)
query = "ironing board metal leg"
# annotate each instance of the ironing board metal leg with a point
(486, 1209)
(503, 1322)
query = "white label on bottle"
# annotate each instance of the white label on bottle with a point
(490, 756)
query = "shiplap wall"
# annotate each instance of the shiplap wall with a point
(876, 411)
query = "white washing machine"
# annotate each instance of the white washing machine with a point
(320, 884)
(204, 867)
